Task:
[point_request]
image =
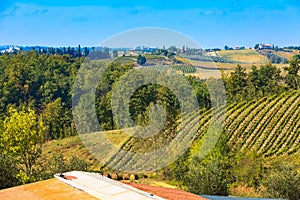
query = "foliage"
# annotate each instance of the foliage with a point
(204, 176)
(246, 169)
(59, 164)
(21, 137)
(259, 82)
(141, 59)
(273, 58)
(236, 84)
(207, 179)
(8, 171)
(283, 182)
(292, 77)
(35, 80)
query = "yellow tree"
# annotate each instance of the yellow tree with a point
(21, 136)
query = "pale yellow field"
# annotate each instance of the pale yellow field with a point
(229, 66)
(247, 55)
(287, 55)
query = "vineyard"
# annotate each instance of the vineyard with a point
(269, 126)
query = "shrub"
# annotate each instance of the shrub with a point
(8, 172)
(59, 164)
(283, 182)
(208, 179)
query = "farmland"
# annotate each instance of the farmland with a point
(245, 56)
(269, 127)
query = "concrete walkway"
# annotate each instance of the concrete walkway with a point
(104, 188)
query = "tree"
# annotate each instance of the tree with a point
(115, 53)
(247, 169)
(236, 84)
(208, 178)
(269, 79)
(21, 137)
(292, 78)
(55, 118)
(253, 83)
(141, 59)
(79, 51)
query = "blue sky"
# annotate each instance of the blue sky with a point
(212, 23)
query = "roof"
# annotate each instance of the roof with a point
(104, 188)
(55, 188)
(51, 189)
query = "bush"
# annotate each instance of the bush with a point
(283, 182)
(8, 172)
(59, 164)
(208, 179)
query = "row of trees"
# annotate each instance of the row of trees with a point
(260, 82)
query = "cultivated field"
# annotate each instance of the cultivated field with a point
(247, 56)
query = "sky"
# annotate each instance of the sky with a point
(211, 23)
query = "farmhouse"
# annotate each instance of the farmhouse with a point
(265, 46)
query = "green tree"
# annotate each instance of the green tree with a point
(59, 164)
(269, 80)
(292, 78)
(115, 53)
(236, 84)
(56, 119)
(247, 169)
(253, 84)
(141, 59)
(21, 137)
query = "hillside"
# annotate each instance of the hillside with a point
(245, 56)
(269, 126)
